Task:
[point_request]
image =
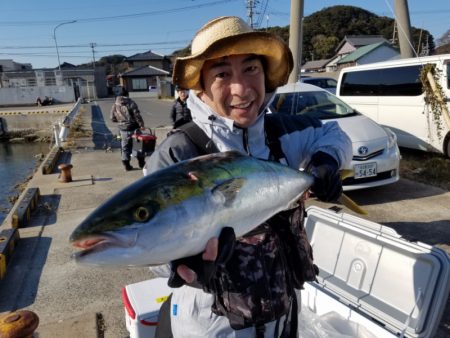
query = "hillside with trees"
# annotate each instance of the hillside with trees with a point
(325, 29)
(322, 33)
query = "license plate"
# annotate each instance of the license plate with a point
(365, 170)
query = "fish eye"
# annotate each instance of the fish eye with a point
(141, 214)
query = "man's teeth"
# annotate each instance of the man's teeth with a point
(243, 105)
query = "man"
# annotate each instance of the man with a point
(232, 73)
(126, 113)
(180, 113)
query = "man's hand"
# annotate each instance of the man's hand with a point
(200, 268)
(327, 180)
(210, 254)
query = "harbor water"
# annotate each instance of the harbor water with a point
(17, 164)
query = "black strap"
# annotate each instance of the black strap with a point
(206, 146)
(164, 327)
(199, 138)
(272, 140)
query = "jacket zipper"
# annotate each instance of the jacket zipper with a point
(245, 141)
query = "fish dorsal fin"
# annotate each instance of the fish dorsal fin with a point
(228, 189)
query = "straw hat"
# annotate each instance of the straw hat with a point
(230, 35)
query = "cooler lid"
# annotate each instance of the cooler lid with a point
(370, 267)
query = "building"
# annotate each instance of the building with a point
(144, 79)
(350, 44)
(149, 73)
(377, 52)
(10, 65)
(315, 66)
(23, 87)
(149, 59)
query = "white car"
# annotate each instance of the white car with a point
(376, 156)
(326, 83)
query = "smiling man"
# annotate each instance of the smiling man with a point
(244, 287)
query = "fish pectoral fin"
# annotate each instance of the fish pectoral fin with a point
(228, 189)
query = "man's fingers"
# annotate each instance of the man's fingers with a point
(187, 274)
(212, 248)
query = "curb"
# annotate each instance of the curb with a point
(51, 160)
(8, 239)
(22, 214)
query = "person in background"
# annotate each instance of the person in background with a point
(126, 113)
(245, 287)
(180, 113)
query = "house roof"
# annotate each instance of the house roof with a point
(145, 71)
(149, 55)
(361, 51)
(360, 40)
(316, 64)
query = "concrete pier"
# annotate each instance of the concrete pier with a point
(76, 301)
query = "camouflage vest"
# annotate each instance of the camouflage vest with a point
(256, 285)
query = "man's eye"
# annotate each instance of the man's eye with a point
(252, 69)
(221, 75)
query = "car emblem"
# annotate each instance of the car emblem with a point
(363, 150)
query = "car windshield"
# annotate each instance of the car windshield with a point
(323, 83)
(319, 104)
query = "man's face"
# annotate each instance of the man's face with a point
(183, 94)
(234, 87)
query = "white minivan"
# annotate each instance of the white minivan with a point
(391, 93)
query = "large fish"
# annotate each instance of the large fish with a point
(173, 212)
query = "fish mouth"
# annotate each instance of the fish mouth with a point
(94, 244)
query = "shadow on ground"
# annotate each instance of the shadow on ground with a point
(102, 137)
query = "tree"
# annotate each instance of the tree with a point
(324, 46)
(444, 39)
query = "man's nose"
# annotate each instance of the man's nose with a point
(238, 85)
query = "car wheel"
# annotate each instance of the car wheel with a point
(447, 146)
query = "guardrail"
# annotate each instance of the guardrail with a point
(61, 129)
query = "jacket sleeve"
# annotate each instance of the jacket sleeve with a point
(173, 112)
(175, 148)
(112, 113)
(301, 137)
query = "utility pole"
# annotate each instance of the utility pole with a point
(404, 28)
(92, 44)
(250, 12)
(296, 37)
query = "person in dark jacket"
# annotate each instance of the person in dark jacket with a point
(126, 113)
(180, 113)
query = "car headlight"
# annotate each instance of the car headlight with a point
(392, 138)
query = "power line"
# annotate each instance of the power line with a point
(101, 45)
(117, 17)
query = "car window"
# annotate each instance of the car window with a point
(331, 83)
(319, 104)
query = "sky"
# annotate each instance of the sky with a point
(127, 27)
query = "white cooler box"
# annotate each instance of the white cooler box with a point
(142, 302)
(372, 283)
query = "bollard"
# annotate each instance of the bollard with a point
(19, 324)
(66, 175)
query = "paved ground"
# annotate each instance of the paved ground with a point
(71, 300)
